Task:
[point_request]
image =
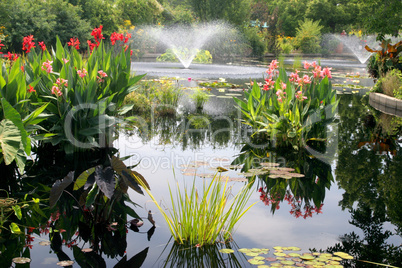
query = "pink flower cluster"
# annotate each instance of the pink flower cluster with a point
(47, 66)
(318, 71)
(297, 207)
(295, 203)
(82, 73)
(271, 71)
(101, 75)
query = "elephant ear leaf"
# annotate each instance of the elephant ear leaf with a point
(10, 140)
(83, 178)
(130, 180)
(105, 180)
(59, 187)
(128, 174)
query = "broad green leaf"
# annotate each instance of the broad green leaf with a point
(82, 178)
(15, 229)
(58, 188)
(92, 195)
(17, 211)
(10, 140)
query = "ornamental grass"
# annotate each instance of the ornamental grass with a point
(198, 218)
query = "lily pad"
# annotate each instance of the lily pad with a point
(307, 257)
(269, 164)
(259, 258)
(271, 259)
(280, 254)
(65, 263)
(294, 254)
(44, 243)
(256, 262)
(288, 262)
(226, 250)
(252, 254)
(244, 250)
(21, 260)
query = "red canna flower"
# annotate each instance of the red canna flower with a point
(28, 43)
(91, 45)
(115, 37)
(74, 42)
(30, 89)
(11, 56)
(1, 45)
(42, 45)
(97, 34)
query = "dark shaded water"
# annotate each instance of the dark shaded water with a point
(358, 185)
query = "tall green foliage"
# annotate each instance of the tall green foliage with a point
(308, 36)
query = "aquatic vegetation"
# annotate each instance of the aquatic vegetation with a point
(286, 110)
(200, 218)
(200, 97)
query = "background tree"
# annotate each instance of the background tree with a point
(382, 16)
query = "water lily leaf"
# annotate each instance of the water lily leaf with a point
(226, 250)
(280, 254)
(336, 258)
(276, 264)
(294, 254)
(259, 258)
(269, 164)
(244, 250)
(271, 259)
(58, 188)
(296, 175)
(278, 248)
(263, 266)
(21, 260)
(307, 257)
(288, 262)
(44, 243)
(221, 169)
(255, 262)
(65, 263)
(251, 254)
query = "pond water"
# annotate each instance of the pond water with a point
(172, 150)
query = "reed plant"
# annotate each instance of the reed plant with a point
(203, 218)
(199, 97)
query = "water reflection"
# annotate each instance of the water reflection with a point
(305, 194)
(373, 246)
(206, 256)
(369, 162)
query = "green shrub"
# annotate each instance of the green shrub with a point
(308, 36)
(255, 40)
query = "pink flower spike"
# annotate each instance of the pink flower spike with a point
(189, 79)
(283, 86)
(306, 79)
(65, 60)
(306, 65)
(102, 73)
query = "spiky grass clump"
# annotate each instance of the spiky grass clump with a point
(203, 218)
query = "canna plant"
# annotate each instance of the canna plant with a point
(85, 95)
(19, 118)
(285, 110)
(202, 218)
